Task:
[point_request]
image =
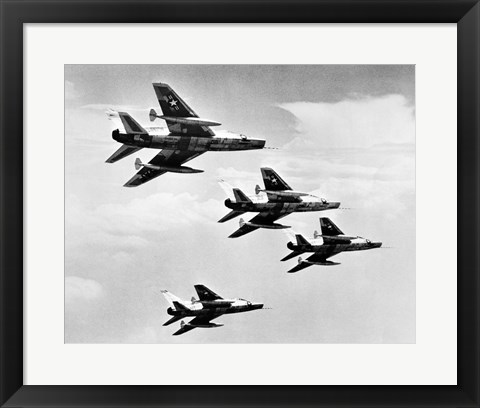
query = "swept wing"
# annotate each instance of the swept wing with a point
(170, 158)
(262, 219)
(316, 259)
(205, 294)
(272, 181)
(197, 321)
(175, 107)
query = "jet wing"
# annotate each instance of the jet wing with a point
(263, 218)
(317, 257)
(174, 106)
(329, 228)
(300, 266)
(196, 321)
(206, 294)
(164, 158)
(122, 152)
(272, 181)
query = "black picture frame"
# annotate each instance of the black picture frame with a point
(14, 13)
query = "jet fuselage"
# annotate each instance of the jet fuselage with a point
(222, 141)
(353, 244)
(302, 204)
(224, 306)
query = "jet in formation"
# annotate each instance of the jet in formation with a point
(186, 137)
(276, 201)
(209, 306)
(330, 242)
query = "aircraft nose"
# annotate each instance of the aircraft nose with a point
(333, 205)
(377, 244)
(258, 305)
(259, 143)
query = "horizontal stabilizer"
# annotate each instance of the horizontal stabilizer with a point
(292, 255)
(122, 152)
(231, 215)
(172, 320)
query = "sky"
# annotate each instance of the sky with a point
(342, 132)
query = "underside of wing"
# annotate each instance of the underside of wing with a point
(300, 266)
(206, 294)
(244, 229)
(261, 220)
(167, 158)
(318, 258)
(195, 322)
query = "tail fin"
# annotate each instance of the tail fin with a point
(170, 297)
(329, 229)
(301, 240)
(240, 196)
(125, 123)
(179, 306)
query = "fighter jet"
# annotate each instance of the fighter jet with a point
(276, 201)
(209, 306)
(186, 137)
(331, 242)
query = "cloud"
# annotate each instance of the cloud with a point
(352, 123)
(123, 108)
(157, 212)
(71, 92)
(82, 290)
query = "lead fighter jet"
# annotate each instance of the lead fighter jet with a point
(331, 242)
(277, 201)
(209, 306)
(187, 137)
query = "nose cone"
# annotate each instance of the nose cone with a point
(259, 144)
(376, 244)
(257, 306)
(333, 205)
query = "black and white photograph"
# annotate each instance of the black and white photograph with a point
(240, 204)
